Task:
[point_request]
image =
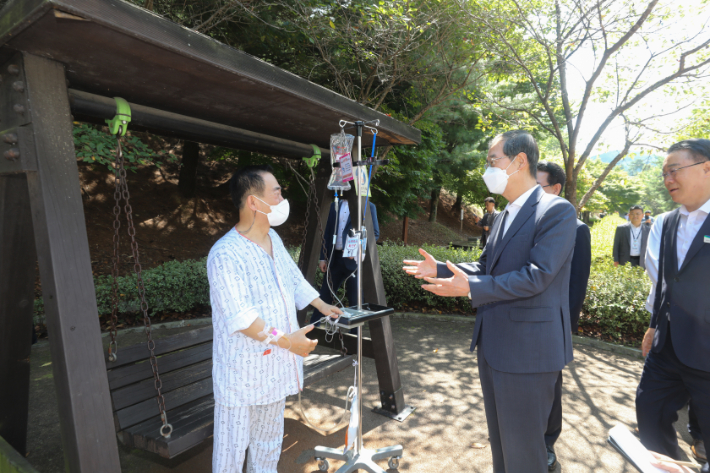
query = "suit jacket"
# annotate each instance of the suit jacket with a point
(521, 287)
(579, 274)
(487, 221)
(681, 296)
(330, 227)
(622, 244)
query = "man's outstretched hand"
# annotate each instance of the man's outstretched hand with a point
(455, 286)
(421, 269)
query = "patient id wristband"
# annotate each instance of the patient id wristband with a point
(274, 334)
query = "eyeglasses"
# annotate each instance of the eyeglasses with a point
(549, 185)
(672, 172)
(489, 164)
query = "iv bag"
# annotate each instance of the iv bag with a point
(340, 147)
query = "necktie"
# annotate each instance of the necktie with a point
(501, 230)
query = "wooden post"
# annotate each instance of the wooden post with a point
(405, 229)
(85, 417)
(17, 277)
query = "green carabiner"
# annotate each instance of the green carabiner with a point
(118, 125)
(312, 161)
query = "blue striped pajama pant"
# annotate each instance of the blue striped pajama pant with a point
(260, 428)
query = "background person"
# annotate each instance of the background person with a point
(551, 177)
(677, 343)
(630, 240)
(520, 286)
(486, 221)
(340, 269)
(258, 350)
(647, 218)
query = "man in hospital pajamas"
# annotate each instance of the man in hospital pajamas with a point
(255, 289)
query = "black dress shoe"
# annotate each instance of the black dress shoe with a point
(551, 459)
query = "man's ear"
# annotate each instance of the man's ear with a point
(523, 160)
(557, 188)
(250, 202)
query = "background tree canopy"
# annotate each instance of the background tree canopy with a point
(464, 70)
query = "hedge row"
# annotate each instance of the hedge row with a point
(614, 305)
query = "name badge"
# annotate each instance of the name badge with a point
(706, 239)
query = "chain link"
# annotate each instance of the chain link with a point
(121, 192)
(113, 330)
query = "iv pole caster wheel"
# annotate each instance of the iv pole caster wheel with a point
(323, 464)
(393, 463)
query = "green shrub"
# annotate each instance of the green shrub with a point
(176, 286)
(614, 305)
(616, 296)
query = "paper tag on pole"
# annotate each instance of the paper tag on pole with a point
(350, 247)
(363, 186)
(346, 165)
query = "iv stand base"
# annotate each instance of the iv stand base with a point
(365, 460)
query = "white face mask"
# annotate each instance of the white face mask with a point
(279, 212)
(496, 179)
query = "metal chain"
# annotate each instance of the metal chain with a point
(166, 428)
(113, 330)
(343, 350)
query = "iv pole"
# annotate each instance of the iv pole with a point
(359, 458)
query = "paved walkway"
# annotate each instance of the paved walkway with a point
(447, 432)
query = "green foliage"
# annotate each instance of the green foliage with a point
(614, 305)
(93, 144)
(616, 296)
(176, 286)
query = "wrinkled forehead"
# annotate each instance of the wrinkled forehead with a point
(676, 159)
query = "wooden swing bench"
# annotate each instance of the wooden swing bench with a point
(185, 366)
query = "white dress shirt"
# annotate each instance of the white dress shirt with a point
(246, 283)
(514, 207)
(688, 227)
(653, 248)
(342, 218)
(636, 235)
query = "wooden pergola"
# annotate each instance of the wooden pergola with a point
(64, 60)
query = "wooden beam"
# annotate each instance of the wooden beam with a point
(17, 277)
(85, 417)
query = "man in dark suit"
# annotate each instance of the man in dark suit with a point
(677, 344)
(486, 221)
(551, 178)
(630, 240)
(520, 286)
(341, 268)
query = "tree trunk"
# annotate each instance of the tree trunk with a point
(405, 229)
(458, 204)
(571, 191)
(434, 204)
(187, 183)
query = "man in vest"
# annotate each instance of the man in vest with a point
(677, 344)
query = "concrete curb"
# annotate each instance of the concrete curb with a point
(576, 339)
